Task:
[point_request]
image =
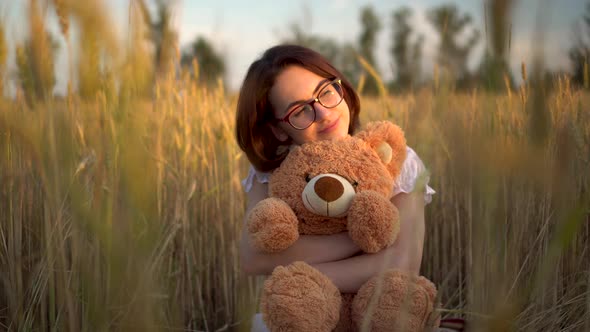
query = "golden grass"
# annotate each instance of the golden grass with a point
(508, 231)
(3, 55)
(122, 209)
(121, 216)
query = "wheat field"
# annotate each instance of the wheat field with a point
(121, 204)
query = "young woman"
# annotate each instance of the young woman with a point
(292, 95)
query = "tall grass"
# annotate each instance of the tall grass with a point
(121, 204)
(117, 211)
(508, 231)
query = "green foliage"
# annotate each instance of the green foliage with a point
(452, 57)
(494, 72)
(342, 55)
(370, 26)
(407, 56)
(579, 53)
(211, 63)
(499, 26)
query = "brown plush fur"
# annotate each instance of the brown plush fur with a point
(400, 293)
(298, 297)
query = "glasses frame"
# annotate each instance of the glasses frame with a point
(311, 103)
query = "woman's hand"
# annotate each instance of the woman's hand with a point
(405, 254)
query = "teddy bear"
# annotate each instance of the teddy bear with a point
(327, 187)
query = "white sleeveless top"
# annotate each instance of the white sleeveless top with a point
(412, 169)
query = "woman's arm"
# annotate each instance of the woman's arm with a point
(313, 249)
(405, 254)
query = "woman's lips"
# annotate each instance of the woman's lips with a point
(330, 127)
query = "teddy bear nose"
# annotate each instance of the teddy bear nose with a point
(328, 195)
(328, 188)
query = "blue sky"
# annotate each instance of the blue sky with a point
(242, 30)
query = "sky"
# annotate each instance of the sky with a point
(242, 30)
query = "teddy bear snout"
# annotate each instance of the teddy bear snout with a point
(328, 195)
(328, 188)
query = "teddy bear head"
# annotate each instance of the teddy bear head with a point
(318, 180)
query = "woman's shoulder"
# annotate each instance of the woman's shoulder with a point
(254, 175)
(413, 173)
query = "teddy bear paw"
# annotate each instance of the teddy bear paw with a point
(272, 225)
(404, 303)
(298, 297)
(373, 221)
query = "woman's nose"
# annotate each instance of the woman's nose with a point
(321, 111)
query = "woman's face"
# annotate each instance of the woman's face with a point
(295, 85)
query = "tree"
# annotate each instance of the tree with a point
(326, 46)
(367, 41)
(579, 54)
(406, 56)
(452, 56)
(347, 62)
(342, 55)
(494, 70)
(211, 65)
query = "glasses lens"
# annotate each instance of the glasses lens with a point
(331, 95)
(302, 116)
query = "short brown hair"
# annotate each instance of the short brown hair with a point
(254, 111)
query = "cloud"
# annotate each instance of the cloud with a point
(553, 49)
(340, 4)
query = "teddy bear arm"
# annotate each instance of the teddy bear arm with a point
(273, 226)
(373, 221)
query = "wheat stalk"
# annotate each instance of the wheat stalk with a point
(63, 17)
(523, 87)
(586, 75)
(3, 57)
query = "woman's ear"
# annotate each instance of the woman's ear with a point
(279, 133)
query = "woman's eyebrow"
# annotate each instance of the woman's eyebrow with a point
(317, 88)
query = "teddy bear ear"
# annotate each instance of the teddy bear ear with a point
(389, 143)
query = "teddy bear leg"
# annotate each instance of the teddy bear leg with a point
(298, 297)
(404, 303)
(345, 324)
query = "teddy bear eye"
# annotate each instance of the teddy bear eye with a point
(354, 183)
(308, 177)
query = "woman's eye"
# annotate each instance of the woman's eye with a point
(298, 112)
(327, 92)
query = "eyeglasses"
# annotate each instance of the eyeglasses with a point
(303, 115)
